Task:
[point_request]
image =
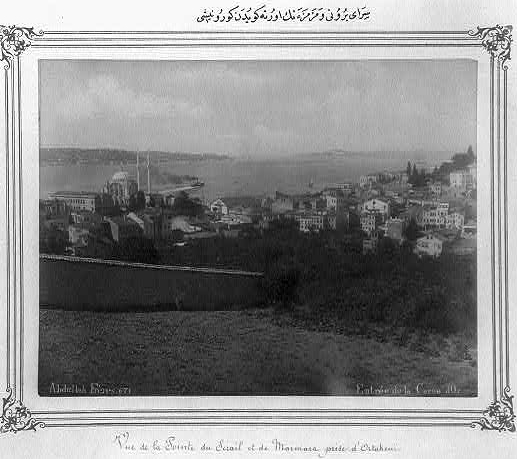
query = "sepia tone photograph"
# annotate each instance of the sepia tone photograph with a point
(258, 228)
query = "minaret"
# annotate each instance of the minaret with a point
(148, 176)
(137, 171)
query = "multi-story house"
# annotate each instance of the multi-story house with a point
(345, 187)
(472, 170)
(461, 180)
(312, 222)
(434, 216)
(370, 221)
(455, 220)
(435, 188)
(367, 180)
(378, 206)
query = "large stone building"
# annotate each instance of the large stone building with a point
(78, 200)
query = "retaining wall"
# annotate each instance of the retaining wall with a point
(80, 283)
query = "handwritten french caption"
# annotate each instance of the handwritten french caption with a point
(265, 14)
(183, 446)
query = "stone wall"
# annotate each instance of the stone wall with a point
(80, 283)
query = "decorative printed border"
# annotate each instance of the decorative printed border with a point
(498, 416)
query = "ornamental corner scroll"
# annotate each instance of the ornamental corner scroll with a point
(14, 41)
(499, 415)
(16, 416)
(497, 41)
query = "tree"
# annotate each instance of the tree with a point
(185, 205)
(280, 283)
(412, 232)
(53, 241)
(137, 249)
(132, 203)
(140, 200)
(470, 153)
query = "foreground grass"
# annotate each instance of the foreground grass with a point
(232, 353)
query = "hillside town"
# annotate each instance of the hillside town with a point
(431, 211)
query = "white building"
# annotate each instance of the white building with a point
(334, 201)
(77, 200)
(472, 170)
(312, 222)
(219, 207)
(455, 220)
(428, 245)
(461, 180)
(377, 205)
(370, 221)
(435, 188)
(346, 187)
(367, 180)
(435, 216)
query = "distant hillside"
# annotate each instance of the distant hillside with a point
(116, 156)
(339, 153)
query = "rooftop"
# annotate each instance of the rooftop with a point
(70, 194)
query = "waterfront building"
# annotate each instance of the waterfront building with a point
(78, 200)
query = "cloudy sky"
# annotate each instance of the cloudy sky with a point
(259, 108)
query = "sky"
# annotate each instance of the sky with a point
(259, 108)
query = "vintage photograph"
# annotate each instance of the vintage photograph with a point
(265, 227)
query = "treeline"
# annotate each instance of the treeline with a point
(459, 161)
(328, 277)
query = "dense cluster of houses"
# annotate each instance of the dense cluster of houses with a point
(379, 206)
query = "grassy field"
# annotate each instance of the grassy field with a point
(250, 352)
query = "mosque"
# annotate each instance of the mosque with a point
(122, 185)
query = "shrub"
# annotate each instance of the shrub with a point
(280, 283)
